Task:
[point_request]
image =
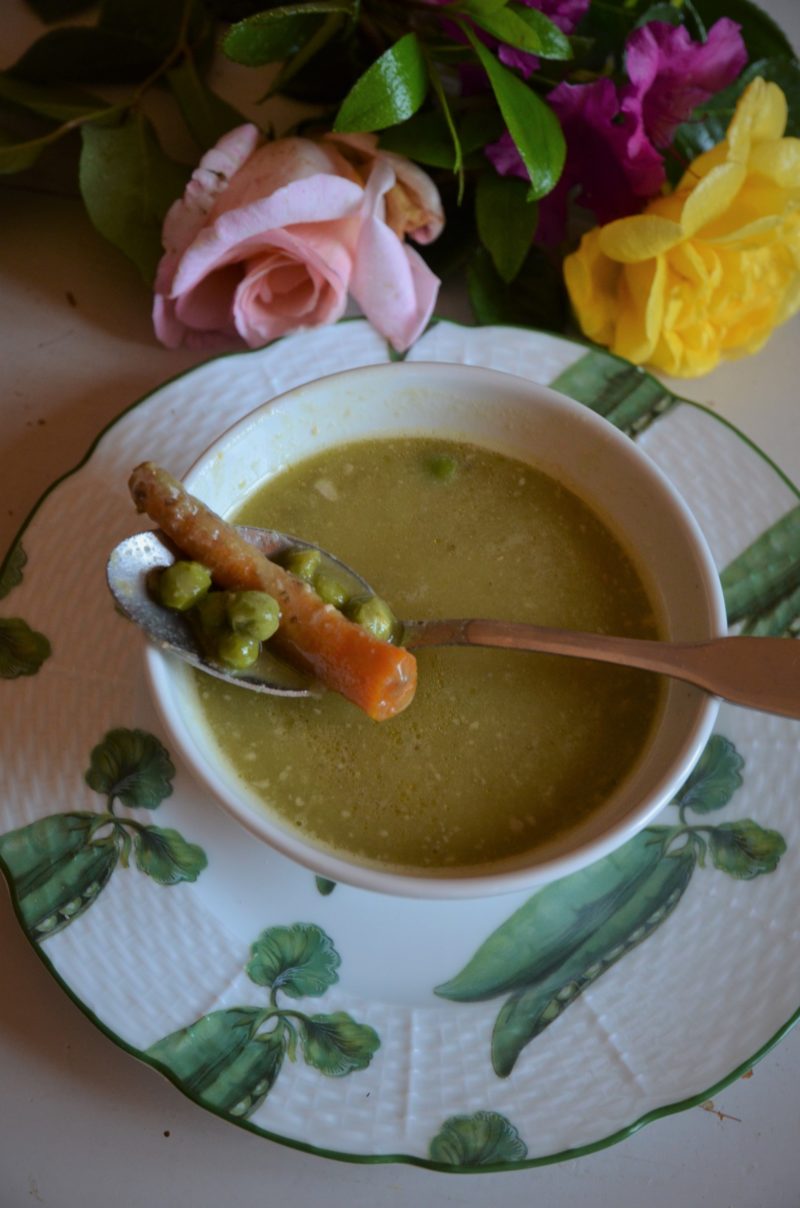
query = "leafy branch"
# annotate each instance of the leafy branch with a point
(60, 864)
(231, 1058)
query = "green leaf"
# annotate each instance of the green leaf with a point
(444, 105)
(715, 778)
(425, 137)
(336, 1045)
(199, 1054)
(523, 28)
(482, 1139)
(534, 127)
(388, 92)
(744, 849)
(544, 932)
(11, 569)
(663, 11)
(277, 33)
(297, 63)
(766, 571)
(22, 649)
(167, 857)
(506, 221)
(536, 298)
(133, 767)
(128, 184)
(624, 394)
(299, 960)
(324, 886)
(207, 116)
(60, 104)
(532, 1009)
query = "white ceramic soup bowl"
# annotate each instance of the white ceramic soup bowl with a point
(533, 424)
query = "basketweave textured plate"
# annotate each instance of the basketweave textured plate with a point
(483, 1035)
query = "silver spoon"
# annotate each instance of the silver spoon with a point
(760, 673)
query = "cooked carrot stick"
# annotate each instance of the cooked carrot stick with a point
(375, 675)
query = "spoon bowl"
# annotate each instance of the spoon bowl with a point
(760, 673)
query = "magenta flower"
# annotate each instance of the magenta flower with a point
(609, 169)
(670, 75)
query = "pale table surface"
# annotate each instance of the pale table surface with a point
(82, 1124)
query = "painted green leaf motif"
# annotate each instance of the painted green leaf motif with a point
(13, 566)
(622, 393)
(166, 856)
(539, 937)
(324, 886)
(336, 1045)
(715, 778)
(389, 91)
(765, 573)
(70, 888)
(133, 767)
(22, 649)
(198, 1054)
(744, 849)
(483, 1139)
(532, 1009)
(299, 960)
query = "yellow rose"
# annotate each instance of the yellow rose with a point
(711, 269)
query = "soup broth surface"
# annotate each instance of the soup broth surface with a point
(499, 751)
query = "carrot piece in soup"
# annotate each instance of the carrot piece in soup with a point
(378, 677)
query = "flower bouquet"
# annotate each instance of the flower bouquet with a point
(628, 166)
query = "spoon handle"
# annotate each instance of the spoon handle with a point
(760, 673)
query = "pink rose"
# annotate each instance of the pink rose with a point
(270, 237)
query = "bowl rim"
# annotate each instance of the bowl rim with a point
(168, 677)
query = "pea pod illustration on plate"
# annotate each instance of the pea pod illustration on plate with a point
(59, 865)
(762, 585)
(622, 393)
(231, 1058)
(571, 932)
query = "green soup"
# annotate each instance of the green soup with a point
(499, 751)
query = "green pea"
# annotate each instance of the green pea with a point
(212, 612)
(253, 613)
(237, 650)
(442, 466)
(374, 614)
(183, 584)
(330, 588)
(304, 563)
